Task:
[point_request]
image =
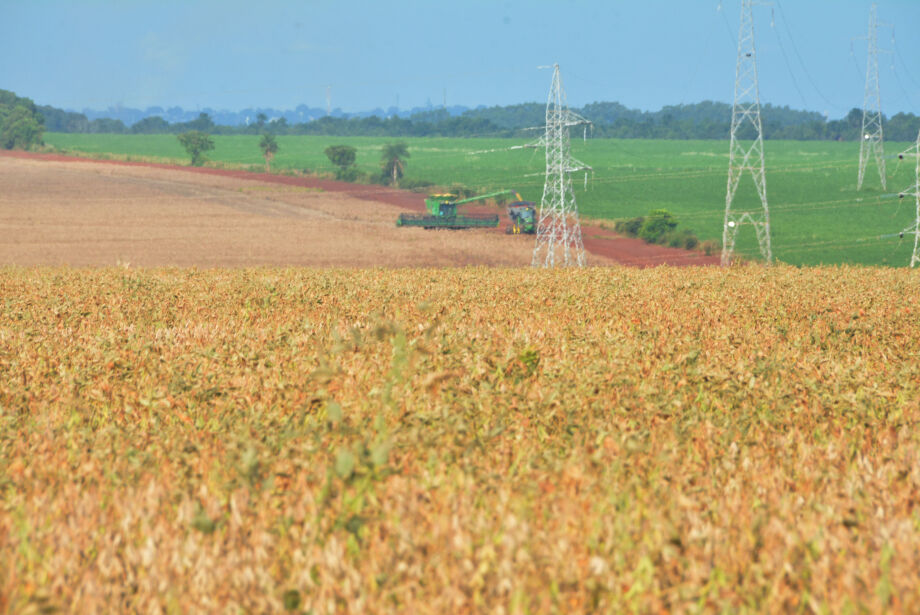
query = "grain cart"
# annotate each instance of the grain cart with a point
(523, 216)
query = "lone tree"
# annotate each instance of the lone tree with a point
(393, 162)
(343, 156)
(21, 129)
(196, 143)
(21, 123)
(269, 148)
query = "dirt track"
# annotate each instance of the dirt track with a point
(61, 210)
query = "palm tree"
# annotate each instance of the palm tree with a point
(269, 148)
(393, 162)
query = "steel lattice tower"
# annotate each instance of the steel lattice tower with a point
(915, 192)
(558, 229)
(744, 155)
(870, 143)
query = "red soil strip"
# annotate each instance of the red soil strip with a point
(600, 241)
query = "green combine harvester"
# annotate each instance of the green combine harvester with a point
(443, 213)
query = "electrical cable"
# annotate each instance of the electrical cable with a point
(897, 77)
(795, 82)
(701, 59)
(728, 28)
(904, 93)
(859, 70)
(795, 48)
(897, 52)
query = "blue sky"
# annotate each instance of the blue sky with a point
(644, 53)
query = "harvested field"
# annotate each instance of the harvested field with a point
(79, 213)
(64, 210)
(606, 440)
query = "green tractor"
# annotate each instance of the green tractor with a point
(523, 216)
(443, 212)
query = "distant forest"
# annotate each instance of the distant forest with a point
(705, 120)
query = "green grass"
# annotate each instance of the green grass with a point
(817, 216)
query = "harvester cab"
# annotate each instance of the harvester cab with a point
(523, 216)
(441, 205)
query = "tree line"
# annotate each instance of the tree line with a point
(22, 121)
(705, 120)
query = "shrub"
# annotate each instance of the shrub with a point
(347, 174)
(411, 184)
(657, 223)
(681, 239)
(629, 227)
(710, 247)
(658, 227)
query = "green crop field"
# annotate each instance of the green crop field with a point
(817, 216)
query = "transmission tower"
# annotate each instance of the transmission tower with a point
(870, 142)
(558, 229)
(915, 192)
(745, 155)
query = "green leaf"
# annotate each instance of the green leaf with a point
(291, 600)
(203, 523)
(344, 464)
(380, 453)
(334, 412)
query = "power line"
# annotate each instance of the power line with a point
(701, 58)
(894, 70)
(795, 48)
(728, 27)
(795, 82)
(859, 70)
(897, 52)
(904, 93)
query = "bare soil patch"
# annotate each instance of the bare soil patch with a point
(75, 213)
(67, 210)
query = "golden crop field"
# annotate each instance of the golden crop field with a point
(458, 441)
